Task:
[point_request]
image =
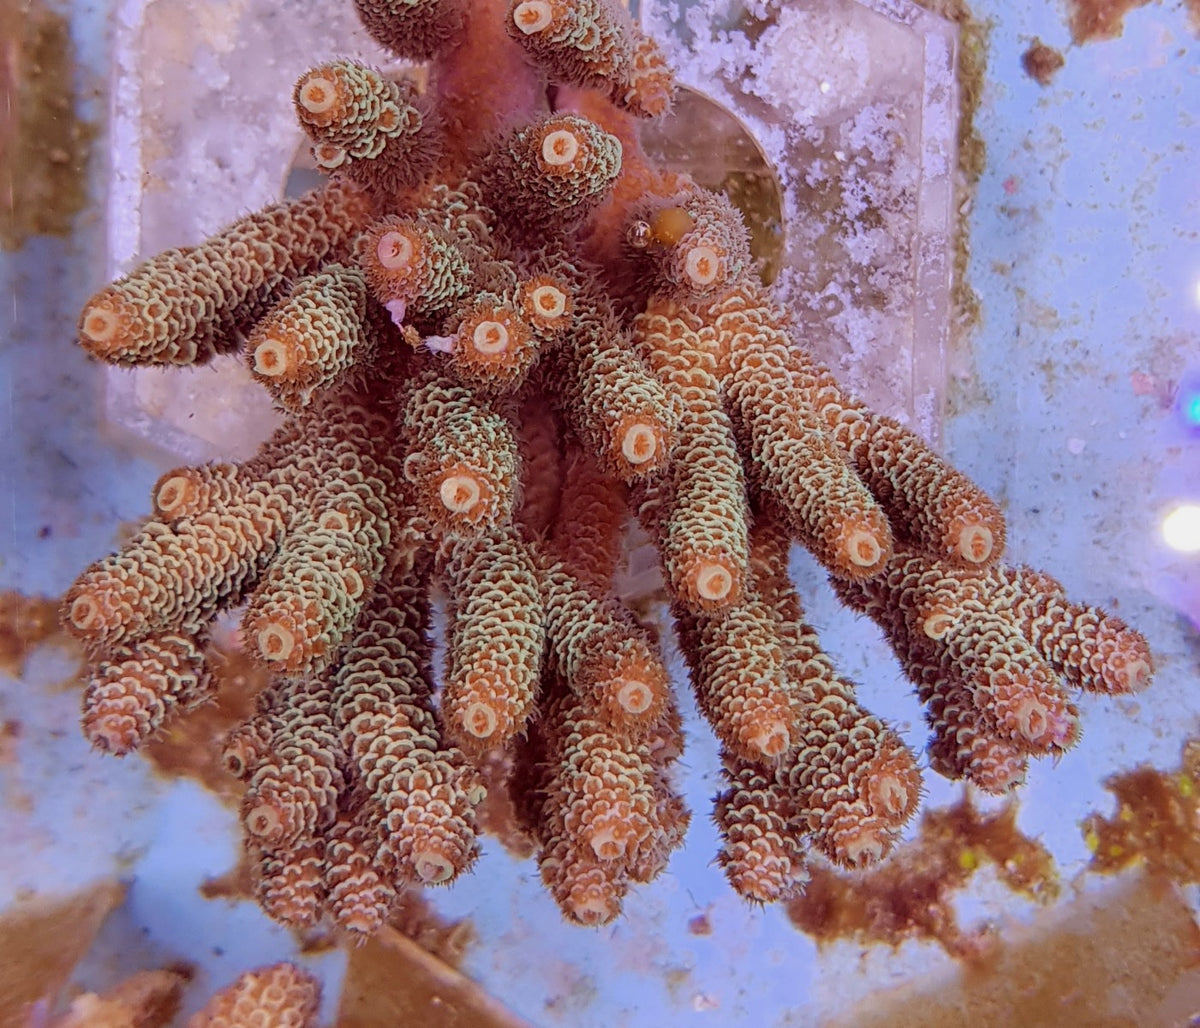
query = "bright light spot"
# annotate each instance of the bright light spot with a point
(1196, 292)
(1191, 407)
(1181, 528)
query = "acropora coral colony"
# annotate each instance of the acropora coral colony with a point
(499, 331)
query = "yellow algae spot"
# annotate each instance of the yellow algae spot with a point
(1126, 813)
(1186, 786)
(44, 145)
(670, 225)
(968, 860)
(1092, 841)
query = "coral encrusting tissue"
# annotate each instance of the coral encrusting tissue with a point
(498, 333)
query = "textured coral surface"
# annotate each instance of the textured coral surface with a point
(500, 333)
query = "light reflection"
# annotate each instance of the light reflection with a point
(1181, 528)
(1189, 401)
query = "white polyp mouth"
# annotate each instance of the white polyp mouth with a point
(703, 265)
(606, 845)
(353, 583)
(591, 909)
(432, 867)
(459, 494)
(99, 325)
(270, 358)
(976, 544)
(395, 251)
(772, 741)
(329, 156)
(714, 582)
(235, 761)
(480, 720)
(533, 16)
(635, 697)
(937, 625)
(549, 302)
(318, 94)
(863, 549)
(862, 850)
(1033, 720)
(1135, 675)
(639, 444)
(490, 337)
(276, 643)
(560, 148)
(84, 612)
(172, 493)
(263, 821)
(890, 796)
(334, 521)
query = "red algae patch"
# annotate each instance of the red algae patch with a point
(912, 895)
(1126, 958)
(1156, 824)
(1124, 954)
(1091, 20)
(1042, 62)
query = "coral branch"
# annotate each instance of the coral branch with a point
(186, 306)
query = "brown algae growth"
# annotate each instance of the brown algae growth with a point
(44, 146)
